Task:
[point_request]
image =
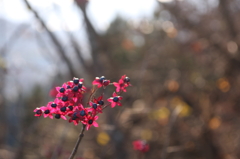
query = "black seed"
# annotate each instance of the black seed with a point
(38, 112)
(68, 87)
(65, 98)
(76, 81)
(62, 90)
(63, 109)
(101, 79)
(126, 79)
(70, 107)
(57, 116)
(46, 111)
(74, 117)
(100, 102)
(94, 105)
(54, 105)
(115, 99)
(105, 81)
(80, 85)
(90, 121)
(82, 113)
(75, 89)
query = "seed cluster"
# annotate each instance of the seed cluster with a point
(69, 101)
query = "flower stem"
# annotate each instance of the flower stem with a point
(92, 93)
(78, 142)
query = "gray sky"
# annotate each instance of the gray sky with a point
(102, 12)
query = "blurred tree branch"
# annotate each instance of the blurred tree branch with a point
(13, 38)
(94, 38)
(58, 45)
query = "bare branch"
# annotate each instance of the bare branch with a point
(58, 45)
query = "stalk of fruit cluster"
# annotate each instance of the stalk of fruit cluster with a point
(81, 135)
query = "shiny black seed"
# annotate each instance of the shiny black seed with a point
(57, 116)
(126, 79)
(115, 99)
(75, 89)
(74, 117)
(105, 81)
(63, 109)
(70, 107)
(47, 111)
(100, 102)
(62, 90)
(82, 113)
(65, 98)
(68, 87)
(101, 79)
(54, 105)
(80, 85)
(76, 81)
(94, 105)
(38, 112)
(90, 121)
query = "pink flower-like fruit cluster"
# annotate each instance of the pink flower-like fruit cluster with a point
(69, 101)
(140, 145)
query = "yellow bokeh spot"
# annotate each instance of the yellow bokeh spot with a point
(214, 123)
(103, 138)
(161, 113)
(223, 84)
(146, 134)
(184, 108)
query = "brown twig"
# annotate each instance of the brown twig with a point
(105, 106)
(94, 90)
(172, 121)
(81, 135)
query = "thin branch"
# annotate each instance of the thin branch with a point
(226, 14)
(93, 37)
(58, 45)
(81, 135)
(74, 43)
(13, 39)
(78, 52)
(172, 121)
(95, 88)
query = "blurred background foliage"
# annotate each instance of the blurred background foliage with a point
(184, 66)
